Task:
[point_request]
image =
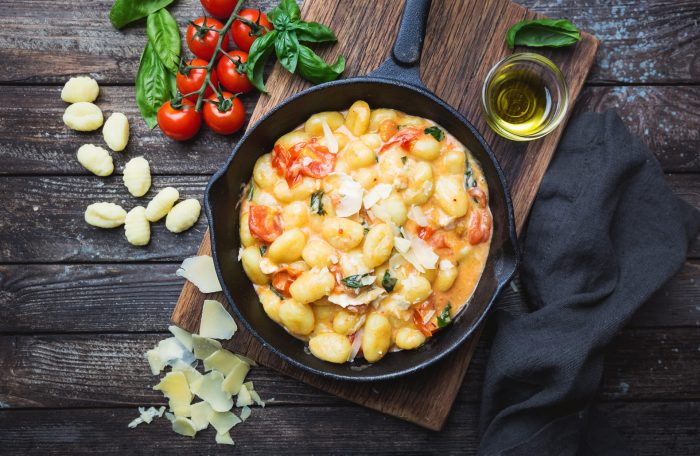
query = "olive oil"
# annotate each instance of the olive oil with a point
(520, 102)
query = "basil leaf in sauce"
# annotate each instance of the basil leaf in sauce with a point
(164, 36)
(263, 250)
(126, 11)
(354, 281)
(154, 84)
(388, 282)
(543, 33)
(436, 133)
(444, 318)
(277, 292)
(469, 180)
(317, 202)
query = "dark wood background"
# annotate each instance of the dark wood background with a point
(79, 306)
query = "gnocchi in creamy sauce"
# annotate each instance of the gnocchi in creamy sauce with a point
(364, 232)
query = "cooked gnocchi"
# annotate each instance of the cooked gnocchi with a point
(116, 131)
(80, 88)
(365, 232)
(95, 159)
(83, 116)
(105, 215)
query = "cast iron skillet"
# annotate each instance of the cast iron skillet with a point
(396, 84)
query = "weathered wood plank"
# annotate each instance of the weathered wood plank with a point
(42, 219)
(102, 370)
(140, 297)
(650, 41)
(33, 139)
(650, 429)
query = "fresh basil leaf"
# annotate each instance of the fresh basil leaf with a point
(444, 318)
(259, 52)
(543, 33)
(126, 11)
(277, 292)
(314, 69)
(287, 50)
(313, 32)
(153, 85)
(164, 34)
(355, 281)
(388, 282)
(263, 250)
(291, 9)
(436, 133)
(469, 180)
(317, 202)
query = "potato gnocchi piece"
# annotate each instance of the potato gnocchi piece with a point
(105, 215)
(137, 229)
(116, 131)
(183, 215)
(137, 176)
(331, 347)
(83, 116)
(80, 88)
(161, 204)
(96, 160)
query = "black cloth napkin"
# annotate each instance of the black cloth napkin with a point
(605, 233)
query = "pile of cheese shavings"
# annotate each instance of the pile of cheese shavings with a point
(220, 387)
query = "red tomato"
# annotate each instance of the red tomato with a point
(219, 8)
(284, 278)
(420, 312)
(424, 232)
(309, 159)
(231, 72)
(180, 123)
(264, 223)
(242, 32)
(202, 36)
(225, 116)
(405, 138)
(193, 80)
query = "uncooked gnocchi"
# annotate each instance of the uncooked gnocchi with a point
(137, 229)
(95, 159)
(161, 204)
(116, 131)
(137, 176)
(81, 88)
(83, 116)
(105, 215)
(359, 236)
(183, 215)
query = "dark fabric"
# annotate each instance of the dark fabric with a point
(605, 232)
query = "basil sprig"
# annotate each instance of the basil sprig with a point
(355, 281)
(444, 318)
(285, 40)
(154, 85)
(435, 132)
(126, 11)
(317, 202)
(164, 35)
(543, 33)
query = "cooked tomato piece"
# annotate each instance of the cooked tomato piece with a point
(420, 311)
(264, 222)
(405, 138)
(284, 278)
(425, 232)
(302, 159)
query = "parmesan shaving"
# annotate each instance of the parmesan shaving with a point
(331, 141)
(267, 266)
(200, 271)
(235, 378)
(378, 192)
(240, 253)
(416, 214)
(184, 426)
(175, 387)
(209, 388)
(223, 421)
(445, 265)
(424, 253)
(191, 374)
(345, 300)
(350, 193)
(171, 349)
(401, 244)
(356, 345)
(245, 413)
(224, 439)
(200, 415)
(154, 361)
(216, 322)
(146, 416)
(203, 346)
(182, 336)
(244, 399)
(254, 394)
(222, 360)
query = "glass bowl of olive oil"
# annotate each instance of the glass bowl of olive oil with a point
(524, 97)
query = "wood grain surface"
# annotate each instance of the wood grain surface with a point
(456, 76)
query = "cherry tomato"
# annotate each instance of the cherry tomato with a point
(305, 158)
(242, 33)
(225, 117)
(231, 72)
(264, 222)
(191, 82)
(284, 278)
(219, 8)
(404, 137)
(420, 312)
(180, 123)
(202, 40)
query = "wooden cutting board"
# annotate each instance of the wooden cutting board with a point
(464, 39)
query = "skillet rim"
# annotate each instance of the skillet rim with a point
(511, 261)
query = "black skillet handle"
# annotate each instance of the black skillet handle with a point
(404, 63)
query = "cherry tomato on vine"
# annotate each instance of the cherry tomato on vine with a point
(203, 35)
(225, 115)
(241, 31)
(180, 122)
(219, 8)
(231, 72)
(193, 80)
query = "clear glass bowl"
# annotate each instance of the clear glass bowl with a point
(525, 125)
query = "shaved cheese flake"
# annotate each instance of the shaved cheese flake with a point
(245, 413)
(184, 426)
(331, 141)
(444, 219)
(170, 417)
(221, 360)
(146, 416)
(424, 253)
(356, 345)
(378, 192)
(200, 415)
(175, 387)
(267, 266)
(224, 439)
(235, 378)
(247, 360)
(416, 214)
(346, 300)
(243, 399)
(154, 361)
(216, 322)
(191, 374)
(350, 193)
(254, 394)
(367, 280)
(410, 256)
(209, 388)
(182, 336)
(379, 212)
(223, 421)
(200, 271)
(240, 253)
(445, 265)
(401, 244)
(171, 349)
(204, 346)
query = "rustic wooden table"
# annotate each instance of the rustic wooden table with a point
(79, 306)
